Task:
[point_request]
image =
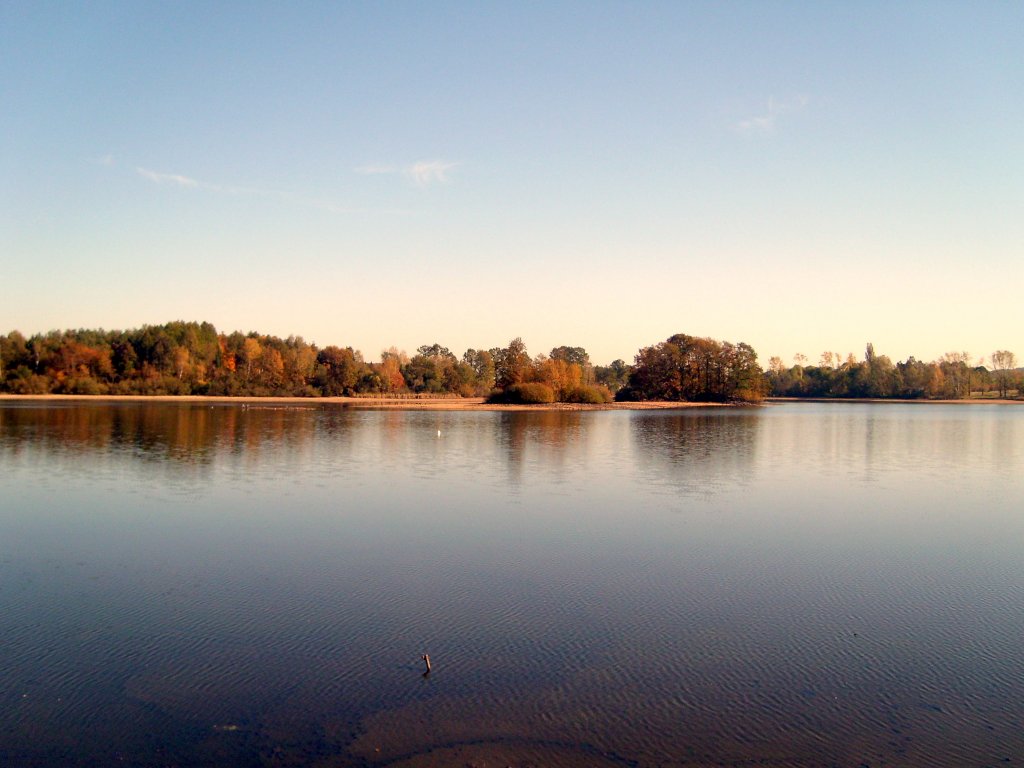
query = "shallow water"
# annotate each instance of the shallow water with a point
(795, 585)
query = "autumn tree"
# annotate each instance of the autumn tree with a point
(250, 356)
(390, 370)
(695, 369)
(299, 360)
(512, 364)
(272, 368)
(559, 374)
(182, 362)
(957, 374)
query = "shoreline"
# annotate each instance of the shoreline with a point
(366, 403)
(469, 403)
(894, 400)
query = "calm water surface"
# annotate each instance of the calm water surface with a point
(796, 585)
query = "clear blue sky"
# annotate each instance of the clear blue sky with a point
(799, 176)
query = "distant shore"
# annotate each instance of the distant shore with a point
(369, 403)
(884, 400)
(467, 403)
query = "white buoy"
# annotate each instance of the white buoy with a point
(439, 433)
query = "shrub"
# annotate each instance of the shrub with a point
(27, 383)
(627, 394)
(83, 385)
(123, 387)
(591, 395)
(749, 395)
(531, 393)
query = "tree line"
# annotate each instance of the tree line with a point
(189, 358)
(955, 376)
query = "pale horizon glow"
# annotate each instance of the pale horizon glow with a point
(803, 178)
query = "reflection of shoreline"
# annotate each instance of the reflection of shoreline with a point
(375, 403)
(156, 434)
(697, 454)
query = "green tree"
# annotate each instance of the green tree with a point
(423, 374)
(436, 352)
(482, 363)
(613, 376)
(338, 371)
(432, 369)
(1003, 364)
(13, 353)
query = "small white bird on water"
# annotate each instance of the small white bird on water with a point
(439, 433)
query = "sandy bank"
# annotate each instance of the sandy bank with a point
(376, 403)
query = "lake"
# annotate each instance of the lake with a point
(792, 585)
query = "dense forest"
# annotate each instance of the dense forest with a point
(188, 358)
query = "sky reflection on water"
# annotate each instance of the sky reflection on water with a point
(805, 584)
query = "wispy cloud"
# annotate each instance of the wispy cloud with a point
(179, 180)
(427, 172)
(766, 123)
(422, 173)
(169, 178)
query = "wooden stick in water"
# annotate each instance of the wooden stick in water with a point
(426, 660)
